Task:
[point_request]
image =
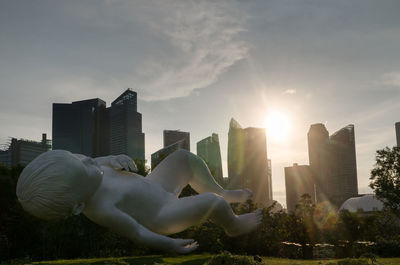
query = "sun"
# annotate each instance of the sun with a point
(278, 126)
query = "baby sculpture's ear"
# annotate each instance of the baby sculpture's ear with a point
(78, 208)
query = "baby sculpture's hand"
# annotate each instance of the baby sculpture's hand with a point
(122, 162)
(183, 246)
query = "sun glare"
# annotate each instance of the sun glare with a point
(277, 125)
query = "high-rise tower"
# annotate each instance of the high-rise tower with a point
(397, 126)
(173, 136)
(343, 167)
(248, 162)
(236, 154)
(125, 123)
(209, 150)
(333, 163)
(88, 127)
(81, 127)
(318, 137)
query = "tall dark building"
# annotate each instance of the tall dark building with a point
(298, 181)
(236, 153)
(81, 127)
(247, 161)
(88, 127)
(173, 140)
(318, 137)
(125, 133)
(397, 126)
(333, 163)
(161, 154)
(343, 166)
(173, 136)
(210, 151)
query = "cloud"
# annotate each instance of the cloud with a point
(201, 42)
(391, 79)
(289, 91)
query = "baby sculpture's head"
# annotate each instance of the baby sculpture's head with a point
(57, 183)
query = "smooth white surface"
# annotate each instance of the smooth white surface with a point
(367, 203)
(147, 209)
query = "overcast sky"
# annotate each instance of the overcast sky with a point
(196, 64)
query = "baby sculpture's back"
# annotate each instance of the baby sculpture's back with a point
(137, 196)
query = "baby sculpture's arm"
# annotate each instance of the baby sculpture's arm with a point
(114, 161)
(117, 162)
(126, 226)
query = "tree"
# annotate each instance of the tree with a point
(385, 178)
(348, 230)
(143, 169)
(305, 225)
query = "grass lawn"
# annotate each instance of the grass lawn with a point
(193, 260)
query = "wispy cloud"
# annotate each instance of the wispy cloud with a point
(391, 79)
(203, 40)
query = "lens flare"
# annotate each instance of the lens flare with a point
(278, 126)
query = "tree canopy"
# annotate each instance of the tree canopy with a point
(385, 178)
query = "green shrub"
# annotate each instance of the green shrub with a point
(227, 258)
(369, 256)
(353, 262)
(388, 248)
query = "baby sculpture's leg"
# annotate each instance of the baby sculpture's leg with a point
(179, 214)
(182, 168)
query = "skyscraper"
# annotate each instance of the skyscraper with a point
(161, 154)
(88, 127)
(298, 181)
(333, 163)
(397, 126)
(209, 150)
(236, 153)
(247, 161)
(318, 137)
(343, 166)
(81, 127)
(125, 133)
(173, 136)
(173, 140)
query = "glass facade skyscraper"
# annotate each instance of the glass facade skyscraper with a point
(248, 162)
(333, 163)
(318, 136)
(173, 140)
(161, 154)
(173, 136)
(209, 150)
(81, 127)
(88, 127)
(125, 133)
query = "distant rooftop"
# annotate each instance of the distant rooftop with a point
(349, 128)
(128, 97)
(234, 124)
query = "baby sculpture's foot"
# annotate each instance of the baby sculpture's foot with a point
(237, 195)
(245, 223)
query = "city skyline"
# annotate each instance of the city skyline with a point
(334, 63)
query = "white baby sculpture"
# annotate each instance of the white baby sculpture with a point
(58, 184)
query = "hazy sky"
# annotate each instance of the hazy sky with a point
(196, 64)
